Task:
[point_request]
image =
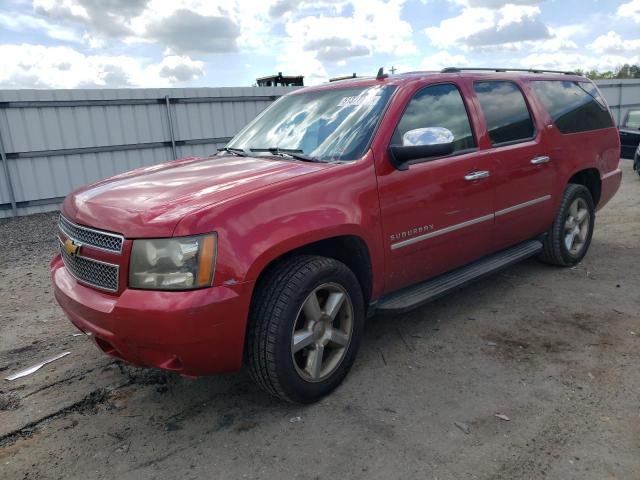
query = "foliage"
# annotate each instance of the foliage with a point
(625, 71)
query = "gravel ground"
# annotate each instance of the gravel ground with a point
(555, 351)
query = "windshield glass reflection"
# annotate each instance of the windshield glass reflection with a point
(332, 124)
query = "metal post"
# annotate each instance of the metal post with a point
(619, 104)
(7, 176)
(173, 139)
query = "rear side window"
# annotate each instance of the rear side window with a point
(437, 106)
(505, 111)
(573, 106)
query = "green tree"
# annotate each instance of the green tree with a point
(625, 71)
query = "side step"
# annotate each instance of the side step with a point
(417, 295)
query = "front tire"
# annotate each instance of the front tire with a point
(570, 236)
(305, 327)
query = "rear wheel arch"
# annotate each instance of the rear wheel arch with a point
(590, 178)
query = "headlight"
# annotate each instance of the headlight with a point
(179, 263)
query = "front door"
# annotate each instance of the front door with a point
(438, 213)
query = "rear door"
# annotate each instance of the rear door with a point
(524, 164)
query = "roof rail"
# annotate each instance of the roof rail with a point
(528, 70)
(344, 77)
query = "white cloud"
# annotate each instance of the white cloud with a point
(481, 27)
(179, 69)
(185, 31)
(494, 3)
(562, 61)
(612, 43)
(630, 10)
(365, 31)
(560, 40)
(443, 59)
(37, 66)
(19, 22)
(455, 30)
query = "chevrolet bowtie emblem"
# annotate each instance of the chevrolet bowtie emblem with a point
(71, 248)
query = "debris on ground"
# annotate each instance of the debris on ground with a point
(36, 367)
(502, 416)
(295, 419)
(463, 426)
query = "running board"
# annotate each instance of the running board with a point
(417, 295)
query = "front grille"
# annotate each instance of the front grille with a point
(92, 272)
(110, 242)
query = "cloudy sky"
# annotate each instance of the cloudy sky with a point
(160, 43)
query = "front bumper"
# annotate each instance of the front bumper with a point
(197, 332)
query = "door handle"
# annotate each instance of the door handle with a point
(541, 159)
(469, 177)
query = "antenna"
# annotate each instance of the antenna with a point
(381, 75)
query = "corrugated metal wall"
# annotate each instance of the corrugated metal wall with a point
(621, 95)
(57, 140)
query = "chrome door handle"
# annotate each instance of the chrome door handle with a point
(540, 160)
(469, 177)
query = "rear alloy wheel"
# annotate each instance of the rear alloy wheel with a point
(570, 236)
(305, 325)
(577, 227)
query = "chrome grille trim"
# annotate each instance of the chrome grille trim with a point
(107, 241)
(91, 272)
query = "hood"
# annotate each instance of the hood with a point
(149, 202)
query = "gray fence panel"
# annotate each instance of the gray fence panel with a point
(621, 95)
(58, 140)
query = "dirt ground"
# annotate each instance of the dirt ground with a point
(554, 350)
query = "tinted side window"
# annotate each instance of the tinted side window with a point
(437, 106)
(505, 111)
(573, 106)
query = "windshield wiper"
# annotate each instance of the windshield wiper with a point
(289, 152)
(236, 151)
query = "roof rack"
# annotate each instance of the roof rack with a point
(344, 77)
(529, 70)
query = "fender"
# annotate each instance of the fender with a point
(256, 228)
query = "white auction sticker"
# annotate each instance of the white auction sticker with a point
(357, 100)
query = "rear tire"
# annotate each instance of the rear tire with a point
(305, 327)
(570, 236)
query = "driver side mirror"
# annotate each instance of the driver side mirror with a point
(421, 143)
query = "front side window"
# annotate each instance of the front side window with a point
(573, 106)
(505, 111)
(325, 125)
(437, 106)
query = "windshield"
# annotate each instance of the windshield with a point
(333, 124)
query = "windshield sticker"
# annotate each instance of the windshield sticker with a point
(357, 100)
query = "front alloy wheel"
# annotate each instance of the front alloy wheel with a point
(322, 332)
(305, 325)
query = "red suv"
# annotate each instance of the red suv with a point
(338, 201)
